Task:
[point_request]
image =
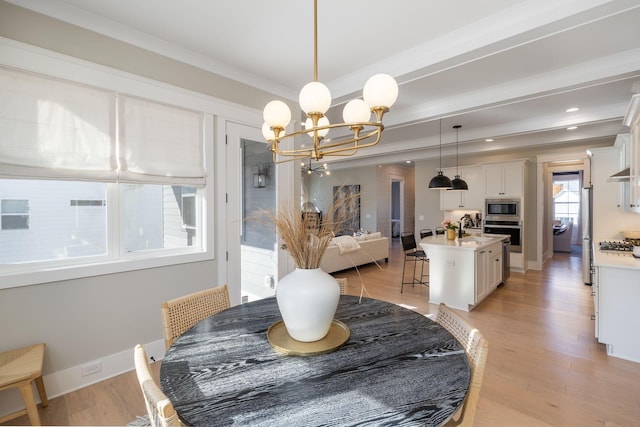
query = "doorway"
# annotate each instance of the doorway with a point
(567, 208)
(254, 261)
(397, 207)
(257, 242)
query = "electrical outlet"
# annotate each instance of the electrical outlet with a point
(91, 368)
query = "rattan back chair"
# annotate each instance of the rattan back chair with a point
(342, 281)
(159, 407)
(182, 313)
(477, 347)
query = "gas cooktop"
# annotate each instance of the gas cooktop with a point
(617, 246)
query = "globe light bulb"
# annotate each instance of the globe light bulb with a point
(315, 97)
(267, 133)
(356, 111)
(380, 90)
(323, 121)
(277, 113)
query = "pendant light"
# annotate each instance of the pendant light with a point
(440, 181)
(458, 183)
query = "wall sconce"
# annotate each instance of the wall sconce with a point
(260, 177)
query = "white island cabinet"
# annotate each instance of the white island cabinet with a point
(462, 272)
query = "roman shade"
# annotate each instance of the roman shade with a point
(51, 128)
(159, 143)
(56, 129)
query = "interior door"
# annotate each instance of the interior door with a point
(253, 184)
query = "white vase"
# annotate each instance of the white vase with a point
(307, 300)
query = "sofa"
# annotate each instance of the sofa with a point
(562, 237)
(373, 247)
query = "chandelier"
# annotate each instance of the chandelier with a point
(380, 93)
(320, 170)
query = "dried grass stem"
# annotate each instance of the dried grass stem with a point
(305, 243)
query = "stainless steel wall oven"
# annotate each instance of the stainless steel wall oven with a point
(502, 216)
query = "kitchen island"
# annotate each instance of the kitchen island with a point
(464, 271)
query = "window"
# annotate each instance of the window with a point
(189, 209)
(93, 180)
(88, 203)
(153, 218)
(566, 197)
(15, 214)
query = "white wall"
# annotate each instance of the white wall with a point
(428, 213)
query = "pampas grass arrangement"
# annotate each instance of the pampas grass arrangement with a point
(304, 242)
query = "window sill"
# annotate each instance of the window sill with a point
(26, 277)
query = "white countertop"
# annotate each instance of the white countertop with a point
(615, 259)
(472, 241)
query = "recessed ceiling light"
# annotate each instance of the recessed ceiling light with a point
(572, 128)
(572, 109)
(408, 161)
(489, 140)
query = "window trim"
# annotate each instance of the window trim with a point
(30, 58)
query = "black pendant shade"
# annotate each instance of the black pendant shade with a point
(440, 181)
(458, 183)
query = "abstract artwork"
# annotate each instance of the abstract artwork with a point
(347, 200)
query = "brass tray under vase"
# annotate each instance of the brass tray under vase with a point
(281, 341)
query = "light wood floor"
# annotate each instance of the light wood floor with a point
(545, 368)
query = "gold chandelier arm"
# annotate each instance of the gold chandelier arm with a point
(345, 147)
(377, 132)
(313, 131)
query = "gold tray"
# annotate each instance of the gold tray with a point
(281, 341)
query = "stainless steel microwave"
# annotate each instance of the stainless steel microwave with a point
(502, 210)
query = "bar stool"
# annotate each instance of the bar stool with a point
(415, 255)
(18, 369)
(426, 232)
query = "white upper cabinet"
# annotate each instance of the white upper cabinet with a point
(622, 144)
(632, 119)
(469, 199)
(504, 179)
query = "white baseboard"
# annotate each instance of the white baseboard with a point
(71, 379)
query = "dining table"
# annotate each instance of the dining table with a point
(396, 368)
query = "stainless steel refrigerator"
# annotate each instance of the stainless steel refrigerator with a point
(587, 234)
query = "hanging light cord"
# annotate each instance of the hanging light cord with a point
(440, 145)
(457, 129)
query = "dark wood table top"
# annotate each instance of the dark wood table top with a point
(397, 368)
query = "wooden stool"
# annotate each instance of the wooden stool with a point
(18, 368)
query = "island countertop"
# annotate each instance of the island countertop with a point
(472, 241)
